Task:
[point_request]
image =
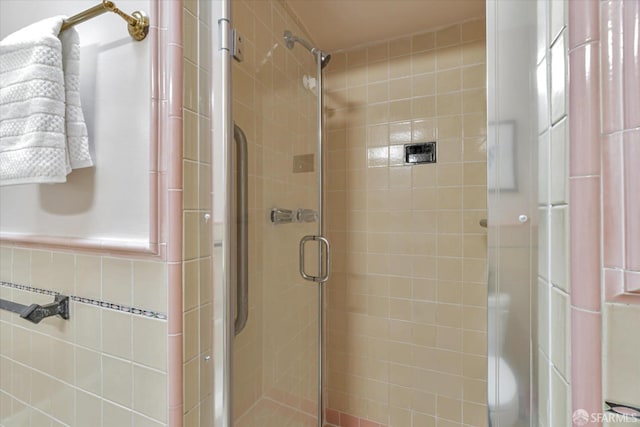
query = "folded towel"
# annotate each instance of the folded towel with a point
(43, 135)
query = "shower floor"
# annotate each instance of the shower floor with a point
(268, 413)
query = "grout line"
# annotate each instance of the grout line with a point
(89, 301)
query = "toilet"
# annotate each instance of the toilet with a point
(503, 405)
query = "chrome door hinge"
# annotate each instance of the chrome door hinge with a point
(224, 33)
(230, 40)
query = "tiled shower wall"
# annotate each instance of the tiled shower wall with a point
(275, 356)
(406, 308)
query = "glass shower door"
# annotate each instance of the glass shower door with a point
(276, 357)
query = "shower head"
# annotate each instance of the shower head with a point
(325, 59)
(290, 40)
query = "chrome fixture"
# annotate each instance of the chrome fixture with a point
(290, 40)
(242, 233)
(306, 215)
(288, 216)
(282, 216)
(324, 266)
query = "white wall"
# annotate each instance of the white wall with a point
(111, 200)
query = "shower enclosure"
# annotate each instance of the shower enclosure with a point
(271, 375)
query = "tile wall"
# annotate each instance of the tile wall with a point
(194, 268)
(109, 364)
(602, 221)
(619, 140)
(103, 367)
(406, 306)
(554, 286)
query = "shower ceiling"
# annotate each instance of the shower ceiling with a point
(342, 24)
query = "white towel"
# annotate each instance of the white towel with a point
(43, 135)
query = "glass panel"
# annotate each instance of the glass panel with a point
(275, 101)
(512, 211)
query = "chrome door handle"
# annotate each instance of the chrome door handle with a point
(242, 235)
(324, 274)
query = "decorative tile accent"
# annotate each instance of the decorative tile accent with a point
(90, 301)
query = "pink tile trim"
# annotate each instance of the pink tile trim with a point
(583, 22)
(156, 136)
(631, 68)
(621, 152)
(632, 282)
(154, 198)
(584, 110)
(586, 370)
(631, 155)
(613, 283)
(163, 215)
(332, 417)
(342, 419)
(173, 21)
(174, 296)
(175, 416)
(614, 287)
(174, 76)
(174, 249)
(612, 200)
(585, 242)
(347, 420)
(169, 84)
(175, 153)
(611, 65)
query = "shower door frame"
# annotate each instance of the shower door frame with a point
(222, 134)
(221, 161)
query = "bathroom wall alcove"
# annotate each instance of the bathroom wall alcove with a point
(119, 205)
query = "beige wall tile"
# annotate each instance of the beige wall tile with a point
(117, 377)
(116, 339)
(150, 285)
(621, 354)
(89, 330)
(115, 416)
(150, 393)
(88, 276)
(117, 280)
(150, 342)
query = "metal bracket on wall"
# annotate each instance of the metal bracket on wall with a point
(237, 47)
(36, 312)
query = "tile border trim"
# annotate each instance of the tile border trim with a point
(90, 301)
